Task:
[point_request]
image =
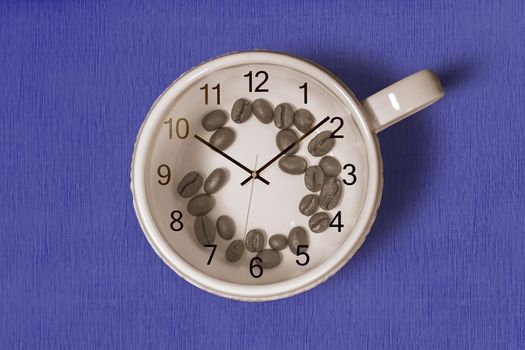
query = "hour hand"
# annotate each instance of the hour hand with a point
(253, 173)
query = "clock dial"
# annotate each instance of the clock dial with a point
(271, 201)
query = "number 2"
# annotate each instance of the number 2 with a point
(334, 133)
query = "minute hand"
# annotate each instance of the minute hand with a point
(271, 161)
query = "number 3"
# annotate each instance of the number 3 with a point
(353, 177)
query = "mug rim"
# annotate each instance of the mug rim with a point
(297, 284)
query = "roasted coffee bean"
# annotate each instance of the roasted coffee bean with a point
(201, 204)
(330, 193)
(235, 250)
(308, 204)
(214, 120)
(303, 120)
(225, 227)
(215, 181)
(321, 144)
(319, 222)
(294, 165)
(314, 178)
(283, 116)
(269, 258)
(330, 166)
(241, 110)
(223, 138)
(189, 184)
(285, 138)
(278, 241)
(255, 240)
(204, 229)
(263, 110)
(296, 237)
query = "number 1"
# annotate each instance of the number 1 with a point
(305, 88)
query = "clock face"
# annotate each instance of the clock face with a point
(181, 145)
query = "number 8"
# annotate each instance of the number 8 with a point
(176, 220)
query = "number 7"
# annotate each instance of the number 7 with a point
(214, 246)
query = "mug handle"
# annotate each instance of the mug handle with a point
(402, 99)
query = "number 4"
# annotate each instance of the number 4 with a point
(336, 222)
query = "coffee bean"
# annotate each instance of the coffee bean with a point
(269, 258)
(263, 110)
(235, 250)
(283, 116)
(314, 178)
(319, 222)
(201, 204)
(296, 237)
(330, 166)
(278, 241)
(214, 120)
(330, 193)
(223, 138)
(204, 229)
(215, 181)
(321, 144)
(294, 165)
(303, 120)
(241, 110)
(285, 138)
(189, 184)
(308, 204)
(255, 240)
(225, 227)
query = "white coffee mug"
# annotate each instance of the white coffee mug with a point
(166, 150)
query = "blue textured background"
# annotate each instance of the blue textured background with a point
(443, 267)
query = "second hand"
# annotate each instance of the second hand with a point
(249, 201)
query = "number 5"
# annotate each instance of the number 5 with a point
(307, 257)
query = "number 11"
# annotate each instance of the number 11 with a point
(217, 88)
